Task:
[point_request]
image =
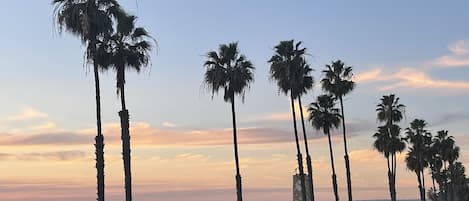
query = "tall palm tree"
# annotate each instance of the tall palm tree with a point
(129, 48)
(338, 82)
(418, 139)
(306, 83)
(90, 20)
(391, 112)
(232, 72)
(388, 141)
(450, 177)
(324, 116)
(283, 69)
(434, 161)
(458, 181)
(413, 164)
(451, 155)
(443, 145)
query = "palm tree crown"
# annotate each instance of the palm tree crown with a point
(302, 76)
(228, 70)
(130, 48)
(323, 114)
(388, 140)
(337, 80)
(289, 68)
(390, 110)
(416, 133)
(89, 20)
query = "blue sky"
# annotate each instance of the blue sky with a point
(394, 41)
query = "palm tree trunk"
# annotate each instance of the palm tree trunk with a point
(239, 192)
(334, 177)
(394, 176)
(99, 145)
(445, 182)
(308, 157)
(419, 179)
(423, 185)
(298, 151)
(347, 162)
(433, 177)
(390, 179)
(125, 136)
(451, 185)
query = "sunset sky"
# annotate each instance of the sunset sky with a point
(181, 137)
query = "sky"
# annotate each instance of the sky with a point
(182, 137)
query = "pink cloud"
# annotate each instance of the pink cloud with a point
(458, 56)
(408, 78)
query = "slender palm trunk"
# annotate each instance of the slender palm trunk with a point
(239, 192)
(423, 186)
(432, 167)
(347, 162)
(393, 163)
(445, 183)
(419, 179)
(298, 151)
(389, 178)
(99, 145)
(394, 176)
(308, 157)
(334, 177)
(451, 185)
(125, 136)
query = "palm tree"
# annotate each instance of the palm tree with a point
(451, 155)
(324, 116)
(338, 82)
(129, 48)
(390, 112)
(283, 69)
(418, 138)
(458, 181)
(451, 178)
(413, 164)
(306, 83)
(388, 141)
(443, 144)
(90, 20)
(232, 72)
(434, 161)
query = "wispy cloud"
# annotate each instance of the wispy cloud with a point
(144, 134)
(61, 138)
(25, 113)
(55, 156)
(168, 125)
(417, 76)
(281, 116)
(458, 56)
(450, 118)
(408, 78)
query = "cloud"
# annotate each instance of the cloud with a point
(369, 76)
(56, 156)
(26, 113)
(168, 125)
(408, 78)
(61, 138)
(458, 56)
(450, 118)
(144, 134)
(282, 116)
